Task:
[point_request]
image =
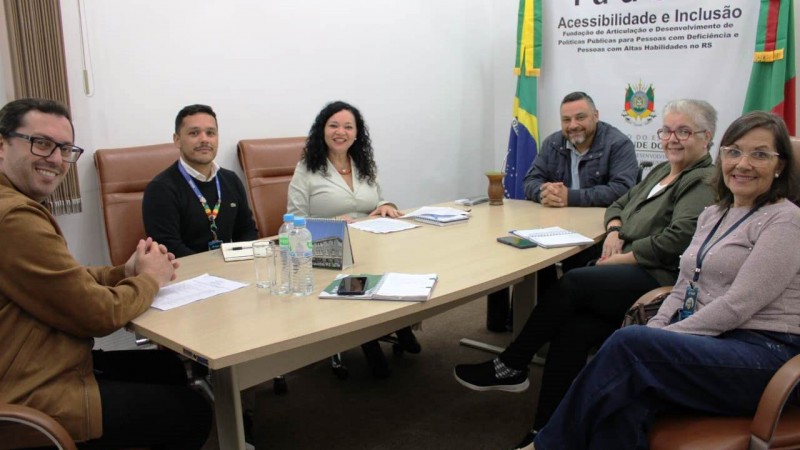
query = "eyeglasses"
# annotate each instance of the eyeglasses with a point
(732, 155)
(41, 146)
(681, 134)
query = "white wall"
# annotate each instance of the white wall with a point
(421, 72)
(434, 80)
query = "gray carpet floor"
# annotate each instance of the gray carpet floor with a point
(420, 406)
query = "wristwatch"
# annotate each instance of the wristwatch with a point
(613, 228)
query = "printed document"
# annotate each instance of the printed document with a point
(383, 225)
(192, 290)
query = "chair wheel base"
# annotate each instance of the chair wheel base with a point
(279, 386)
(341, 372)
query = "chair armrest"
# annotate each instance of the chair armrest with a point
(654, 295)
(39, 421)
(774, 398)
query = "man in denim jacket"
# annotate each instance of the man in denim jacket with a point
(589, 163)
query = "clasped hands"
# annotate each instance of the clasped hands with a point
(612, 249)
(553, 194)
(154, 259)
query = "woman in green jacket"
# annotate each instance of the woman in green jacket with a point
(647, 230)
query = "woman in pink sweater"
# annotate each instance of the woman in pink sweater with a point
(732, 319)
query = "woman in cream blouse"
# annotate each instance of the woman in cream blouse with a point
(337, 177)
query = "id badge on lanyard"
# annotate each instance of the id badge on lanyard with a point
(212, 214)
(690, 300)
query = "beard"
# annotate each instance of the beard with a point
(577, 138)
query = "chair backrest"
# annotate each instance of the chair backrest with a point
(796, 151)
(123, 174)
(268, 166)
(24, 427)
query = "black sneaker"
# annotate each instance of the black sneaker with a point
(482, 377)
(526, 441)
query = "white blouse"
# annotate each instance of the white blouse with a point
(318, 195)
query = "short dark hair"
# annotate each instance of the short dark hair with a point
(190, 111)
(315, 153)
(578, 95)
(12, 113)
(785, 185)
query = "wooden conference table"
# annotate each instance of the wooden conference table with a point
(248, 337)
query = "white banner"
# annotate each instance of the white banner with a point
(633, 56)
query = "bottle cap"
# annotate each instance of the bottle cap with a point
(299, 221)
(288, 217)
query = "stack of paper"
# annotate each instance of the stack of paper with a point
(439, 216)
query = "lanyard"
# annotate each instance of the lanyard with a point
(211, 214)
(701, 254)
(690, 299)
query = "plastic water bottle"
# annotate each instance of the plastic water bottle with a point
(283, 278)
(301, 253)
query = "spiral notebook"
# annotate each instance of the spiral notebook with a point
(331, 241)
(553, 237)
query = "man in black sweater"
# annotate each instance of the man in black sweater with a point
(195, 205)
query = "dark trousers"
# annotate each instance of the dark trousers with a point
(146, 402)
(641, 371)
(584, 307)
(498, 304)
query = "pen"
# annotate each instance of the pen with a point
(237, 248)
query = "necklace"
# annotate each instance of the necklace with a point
(343, 171)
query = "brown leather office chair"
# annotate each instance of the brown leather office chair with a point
(123, 174)
(775, 425)
(24, 427)
(268, 166)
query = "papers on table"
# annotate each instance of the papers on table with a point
(405, 286)
(192, 290)
(389, 286)
(436, 211)
(383, 225)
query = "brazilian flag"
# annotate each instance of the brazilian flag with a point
(524, 137)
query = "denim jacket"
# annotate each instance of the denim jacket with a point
(607, 170)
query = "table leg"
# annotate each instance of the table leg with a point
(523, 305)
(228, 409)
(524, 302)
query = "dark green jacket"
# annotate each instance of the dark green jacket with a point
(660, 228)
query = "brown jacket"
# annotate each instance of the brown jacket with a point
(50, 308)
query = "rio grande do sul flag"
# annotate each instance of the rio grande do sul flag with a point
(773, 81)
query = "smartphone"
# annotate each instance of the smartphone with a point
(352, 285)
(517, 242)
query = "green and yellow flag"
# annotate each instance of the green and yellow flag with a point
(524, 137)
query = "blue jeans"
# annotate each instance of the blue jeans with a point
(640, 371)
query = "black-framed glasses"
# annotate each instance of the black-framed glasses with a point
(732, 155)
(681, 133)
(42, 146)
